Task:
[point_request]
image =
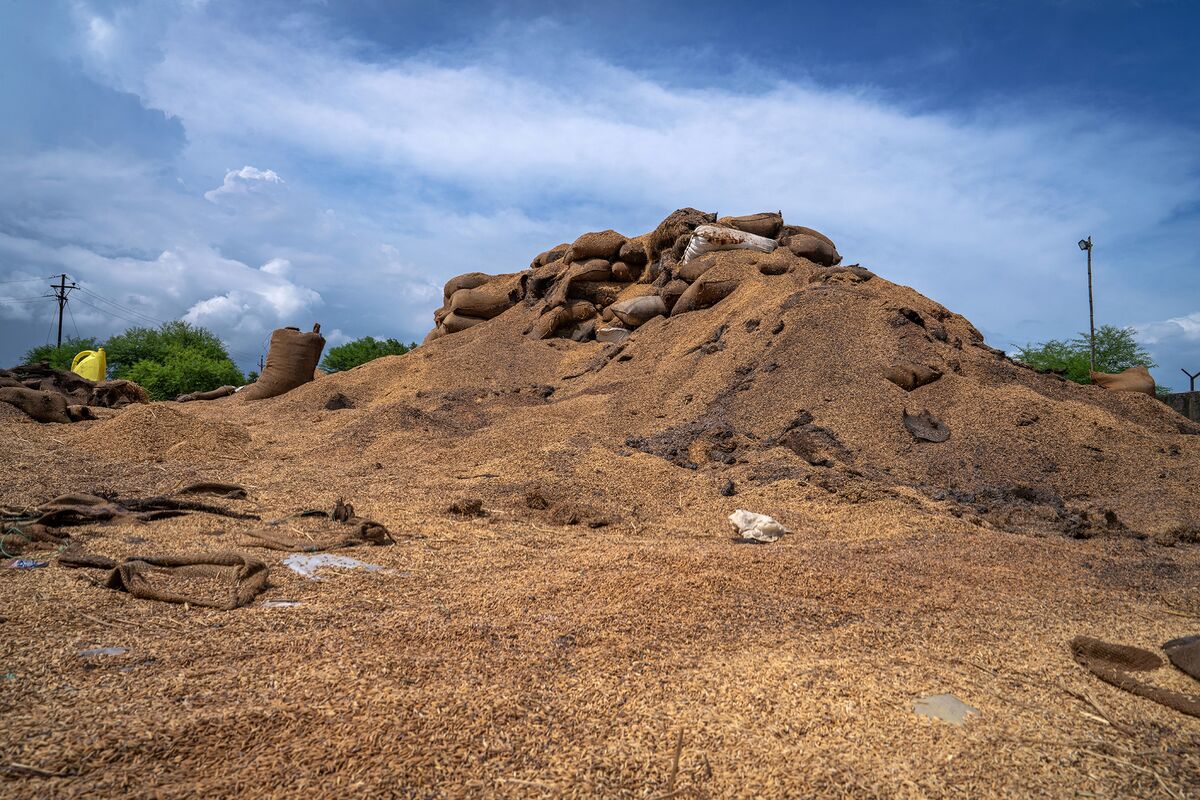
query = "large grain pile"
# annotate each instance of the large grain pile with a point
(956, 520)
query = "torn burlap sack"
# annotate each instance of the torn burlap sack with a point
(1113, 663)
(350, 531)
(214, 580)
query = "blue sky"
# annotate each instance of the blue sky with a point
(249, 165)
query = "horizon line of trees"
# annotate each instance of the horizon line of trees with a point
(178, 358)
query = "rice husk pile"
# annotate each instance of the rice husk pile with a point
(160, 431)
(598, 613)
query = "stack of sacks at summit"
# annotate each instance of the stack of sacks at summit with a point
(604, 284)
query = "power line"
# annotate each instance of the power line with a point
(111, 313)
(73, 325)
(30, 280)
(122, 307)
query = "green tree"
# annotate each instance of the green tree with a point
(360, 351)
(182, 370)
(153, 344)
(174, 359)
(60, 357)
(1116, 350)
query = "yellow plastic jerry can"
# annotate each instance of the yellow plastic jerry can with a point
(90, 364)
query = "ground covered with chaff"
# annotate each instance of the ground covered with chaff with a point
(588, 627)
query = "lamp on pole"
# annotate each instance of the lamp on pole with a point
(1086, 244)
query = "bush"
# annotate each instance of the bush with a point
(60, 357)
(171, 360)
(153, 344)
(182, 370)
(1116, 350)
(360, 351)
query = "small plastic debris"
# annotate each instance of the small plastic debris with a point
(307, 564)
(104, 651)
(945, 707)
(280, 603)
(752, 527)
(26, 563)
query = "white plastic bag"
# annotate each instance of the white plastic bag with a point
(711, 238)
(756, 527)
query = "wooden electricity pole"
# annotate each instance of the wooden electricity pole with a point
(61, 289)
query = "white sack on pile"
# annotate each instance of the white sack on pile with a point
(711, 238)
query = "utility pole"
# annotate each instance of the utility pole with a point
(1086, 244)
(61, 289)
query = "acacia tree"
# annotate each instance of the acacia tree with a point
(360, 351)
(1116, 350)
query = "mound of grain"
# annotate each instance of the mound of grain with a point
(152, 432)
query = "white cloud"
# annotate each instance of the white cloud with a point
(1186, 328)
(277, 266)
(243, 181)
(446, 162)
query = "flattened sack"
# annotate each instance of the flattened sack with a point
(214, 580)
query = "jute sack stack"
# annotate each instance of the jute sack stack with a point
(1134, 379)
(291, 361)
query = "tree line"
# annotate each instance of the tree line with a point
(177, 358)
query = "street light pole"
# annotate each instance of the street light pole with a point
(1086, 244)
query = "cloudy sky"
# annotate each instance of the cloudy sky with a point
(246, 165)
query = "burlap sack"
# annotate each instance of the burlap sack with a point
(787, 232)
(291, 361)
(216, 580)
(214, 394)
(704, 293)
(638, 310)
(1134, 379)
(1113, 663)
(434, 334)
(466, 281)
(117, 394)
(678, 222)
(549, 256)
(633, 252)
(911, 376)
(598, 244)
(711, 239)
(818, 251)
(671, 291)
(624, 272)
(455, 322)
(593, 269)
(765, 224)
(38, 405)
(599, 293)
(490, 299)
(560, 318)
